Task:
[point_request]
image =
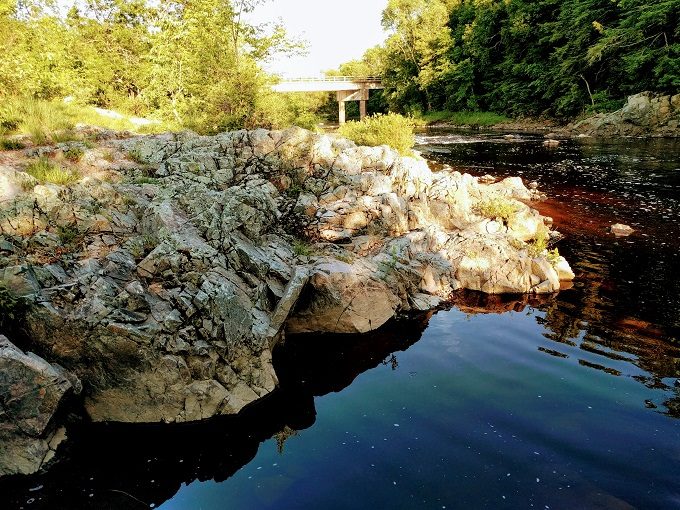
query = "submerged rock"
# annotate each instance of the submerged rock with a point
(621, 230)
(176, 276)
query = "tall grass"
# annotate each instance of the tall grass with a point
(391, 129)
(47, 172)
(55, 121)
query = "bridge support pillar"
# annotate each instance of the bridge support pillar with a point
(341, 112)
(362, 109)
(343, 96)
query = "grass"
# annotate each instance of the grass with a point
(45, 171)
(302, 248)
(392, 129)
(55, 121)
(67, 234)
(497, 208)
(136, 156)
(462, 118)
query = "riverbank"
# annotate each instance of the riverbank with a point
(644, 115)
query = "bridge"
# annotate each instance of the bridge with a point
(348, 88)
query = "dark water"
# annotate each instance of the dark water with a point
(561, 402)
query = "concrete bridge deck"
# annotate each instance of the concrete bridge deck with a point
(348, 88)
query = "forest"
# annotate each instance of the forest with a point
(555, 58)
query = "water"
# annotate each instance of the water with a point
(505, 402)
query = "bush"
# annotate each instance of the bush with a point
(392, 129)
(497, 208)
(74, 154)
(44, 171)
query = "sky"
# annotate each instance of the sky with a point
(336, 31)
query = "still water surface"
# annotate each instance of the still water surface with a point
(570, 401)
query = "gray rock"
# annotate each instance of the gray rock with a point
(182, 288)
(30, 389)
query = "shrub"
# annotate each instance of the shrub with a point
(73, 154)
(392, 129)
(497, 208)
(44, 171)
(8, 144)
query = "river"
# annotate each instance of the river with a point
(561, 402)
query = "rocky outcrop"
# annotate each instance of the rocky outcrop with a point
(165, 276)
(644, 114)
(31, 391)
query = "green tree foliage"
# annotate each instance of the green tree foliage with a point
(526, 57)
(193, 62)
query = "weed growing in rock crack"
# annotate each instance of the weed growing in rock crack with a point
(553, 256)
(388, 266)
(95, 206)
(294, 190)
(539, 243)
(74, 154)
(497, 208)
(108, 156)
(302, 248)
(67, 233)
(45, 171)
(343, 258)
(136, 156)
(27, 184)
(517, 244)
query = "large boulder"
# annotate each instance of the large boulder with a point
(344, 298)
(31, 391)
(643, 114)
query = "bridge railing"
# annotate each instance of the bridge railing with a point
(335, 78)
